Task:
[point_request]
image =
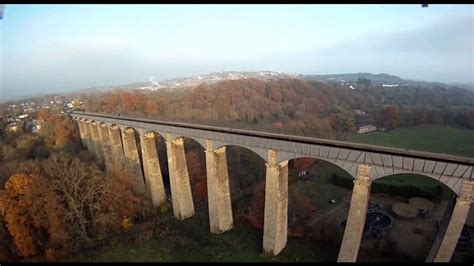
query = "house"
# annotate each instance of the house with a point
(364, 125)
(366, 128)
(359, 112)
(12, 127)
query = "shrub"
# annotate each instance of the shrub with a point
(395, 189)
(163, 209)
(342, 181)
(292, 179)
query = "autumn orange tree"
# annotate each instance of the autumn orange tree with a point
(33, 213)
(59, 131)
(301, 164)
(301, 211)
(95, 203)
(64, 130)
(151, 108)
(112, 102)
(197, 174)
(132, 101)
(392, 115)
(64, 204)
(43, 114)
(121, 203)
(256, 210)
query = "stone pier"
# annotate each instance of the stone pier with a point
(276, 205)
(105, 145)
(151, 167)
(82, 132)
(219, 201)
(88, 135)
(357, 214)
(456, 223)
(443, 226)
(96, 142)
(132, 160)
(183, 205)
(116, 146)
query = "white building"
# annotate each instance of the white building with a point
(359, 112)
(13, 127)
(366, 128)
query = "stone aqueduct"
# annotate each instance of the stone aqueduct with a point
(113, 140)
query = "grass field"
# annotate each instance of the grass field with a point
(196, 244)
(320, 193)
(432, 138)
(412, 179)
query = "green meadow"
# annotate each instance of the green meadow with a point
(431, 138)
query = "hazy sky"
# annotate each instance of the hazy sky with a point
(46, 48)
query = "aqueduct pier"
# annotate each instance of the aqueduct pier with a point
(113, 140)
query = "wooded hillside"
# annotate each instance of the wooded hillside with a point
(293, 106)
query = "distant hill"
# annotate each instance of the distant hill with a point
(112, 87)
(347, 78)
(226, 75)
(378, 78)
(382, 78)
(464, 86)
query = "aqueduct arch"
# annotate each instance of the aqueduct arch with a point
(428, 230)
(276, 212)
(292, 157)
(237, 153)
(454, 184)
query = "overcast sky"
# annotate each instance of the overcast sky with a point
(51, 48)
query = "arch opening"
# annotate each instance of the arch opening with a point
(196, 164)
(418, 205)
(261, 154)
(247, 171)
(317, 201)
(335, 166)
(400, 176)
